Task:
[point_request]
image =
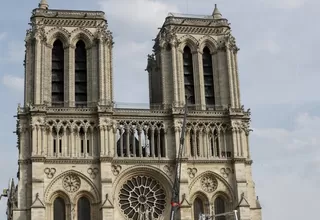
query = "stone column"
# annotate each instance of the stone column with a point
(37, 72)
(180, 76)
(196, 83)
(37, 191)
(202, 99)
(234, 142)
(175, 73)
(216, 78)
(230, 77)
(102, 75)
(234, 79)
(42, 73)
(108, 72)
(28, 81)
(69, 76)
(241, 190)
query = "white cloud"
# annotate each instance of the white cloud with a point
(13, 53)
(268, 42)
(290, 158)
(134, 24)
(3, 35)
(148, 14)
(13, 82)
(285, 4)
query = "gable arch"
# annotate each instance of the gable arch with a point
(228, 189)
(56, 186)
(190, 41)
(58, 34)
(208, 41)
(81, 34)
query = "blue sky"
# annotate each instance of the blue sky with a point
(279, 76)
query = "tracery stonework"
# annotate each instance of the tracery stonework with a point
(142, 197)
(71, 183)
(209, 183)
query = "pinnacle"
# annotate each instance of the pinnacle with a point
(216, 13)
(43, 4)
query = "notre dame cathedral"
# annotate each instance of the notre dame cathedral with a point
(82, 158)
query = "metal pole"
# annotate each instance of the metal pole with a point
(235, 214)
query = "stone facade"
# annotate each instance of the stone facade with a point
(122, 160)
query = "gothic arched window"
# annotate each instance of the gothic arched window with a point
(59, 209)
(208, 76)
(84, 209)
(198, 208)
(81, 74)
(57, 77)
(219, 207)
(188, 76)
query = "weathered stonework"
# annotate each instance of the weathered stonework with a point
(104, 153)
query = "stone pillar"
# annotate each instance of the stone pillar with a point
(234, 143)
(236, 75)
(234, 79)
(180, 77)
(37, 206)
(216, 78)
(241, 190)
(102, 74)
(107, 192)
(29, 80)
(69, 70)
(37, 72)
(164, 91)
(175, 73)
(108, 72)
(199, 73)
(230, 77)
(223, 78)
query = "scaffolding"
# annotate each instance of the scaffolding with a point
(233, 214)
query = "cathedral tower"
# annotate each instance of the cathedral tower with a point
(82, 158)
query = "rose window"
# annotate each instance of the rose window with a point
(209, 183)
(142, 197)
(71, 183)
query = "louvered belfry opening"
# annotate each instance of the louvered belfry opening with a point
(208, 77)
(57, 77)
(80, 75)
(188, 76)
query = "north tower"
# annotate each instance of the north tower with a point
(82, 158)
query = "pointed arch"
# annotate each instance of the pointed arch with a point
(59, 209)
(223, 185)
(208, 41)
(86, 184)
(58, 33)
(200, 204)
(220, 207)
(190, 41)
(81, 34)
(84, 208)
(59, 204)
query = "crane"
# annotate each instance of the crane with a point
(175, 203)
